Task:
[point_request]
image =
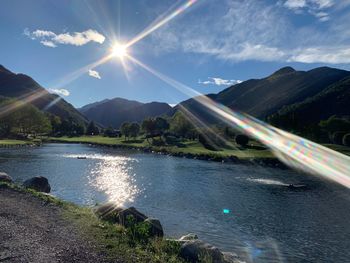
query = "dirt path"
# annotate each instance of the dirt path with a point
(32, 230)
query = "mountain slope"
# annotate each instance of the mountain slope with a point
(334, 100)
(113, 112)
(262, 97)
(21, 86)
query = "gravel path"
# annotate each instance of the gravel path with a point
(32, 230)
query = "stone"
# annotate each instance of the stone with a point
(4, 177)
(108, 211)
(188, 237)
(38, 183)
(156, 228)
(132, 211)
(199, 251)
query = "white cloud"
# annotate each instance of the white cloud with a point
(62, 92)
(51, 39)
(94, 74)
(333, 55)
(48, 43)
(219, 82)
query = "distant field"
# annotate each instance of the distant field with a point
(193, 147)
(13, 142)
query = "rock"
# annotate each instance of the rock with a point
(4, 177)
(123, 215)
(108, 211)
(38, 183)
(196, 250)
(188, 237)
(156, 227)
(230, 257)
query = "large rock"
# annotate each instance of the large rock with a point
(198, 251)
(109, 212)
(188, 237)
(38, 183)
(4, 177)
(123, 215)
(156, 228)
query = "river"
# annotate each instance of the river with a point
(245, 209)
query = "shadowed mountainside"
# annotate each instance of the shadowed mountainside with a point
(263, 97)
(21, 86)
(113, 112)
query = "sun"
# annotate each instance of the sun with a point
(119, 50)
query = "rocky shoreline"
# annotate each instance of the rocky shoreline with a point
(266, 162)
(191, 249)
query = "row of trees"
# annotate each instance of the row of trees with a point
(337, 129)
(21, 119)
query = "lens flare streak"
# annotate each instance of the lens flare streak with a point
(293, 150)
(165, 20)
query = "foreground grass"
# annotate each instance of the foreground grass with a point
(114, 241)
(191, 147)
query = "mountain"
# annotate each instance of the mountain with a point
(263, 97)
(23, 87)
(334, 100)
(113, 112)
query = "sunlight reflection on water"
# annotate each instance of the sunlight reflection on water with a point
(112, 175)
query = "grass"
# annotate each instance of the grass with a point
(254, 151)
(112, 240)
(9, 142)
(191, 147)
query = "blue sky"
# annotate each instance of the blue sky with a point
(212, 44)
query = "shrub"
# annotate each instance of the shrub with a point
(242, 140)
(337, 137)
(346, 139)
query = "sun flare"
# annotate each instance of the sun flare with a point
(119, 50)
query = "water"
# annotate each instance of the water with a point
(266, 222)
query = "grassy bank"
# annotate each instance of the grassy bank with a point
(13, 143)
(114, 241)
(187, 147)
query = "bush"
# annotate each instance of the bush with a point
(346, 139)
(242, 140)
(337, 137)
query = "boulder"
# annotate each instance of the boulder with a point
(198, 251)
(188, 237)
(125, 213)
(4, 177)
(38, 183)
(156, 227)
(108, 211)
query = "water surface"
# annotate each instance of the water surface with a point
(268, 222)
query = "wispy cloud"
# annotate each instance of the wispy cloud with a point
(62, 92)
(248, 30)
(51, 39)
(317, 8)
(94, 74)
(219, 82)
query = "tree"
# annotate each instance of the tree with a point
(149, 127)
(134, 129)
(162, 125)
(242, 140)
(92, 129)
(22, 118)
(180, 125)
(346, 139)
(125, 129)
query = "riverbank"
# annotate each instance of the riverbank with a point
(9, 143)
(189, 149)
(57, 231)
